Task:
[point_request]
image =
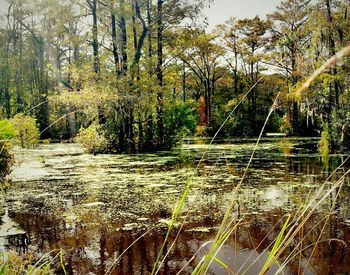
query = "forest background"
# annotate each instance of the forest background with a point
(139, 75)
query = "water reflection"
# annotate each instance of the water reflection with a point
(94, 207)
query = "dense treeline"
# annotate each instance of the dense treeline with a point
(138, 75)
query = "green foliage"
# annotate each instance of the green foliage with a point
(180, 120)
(6, 158)
(239, 124)
(324, 146)
(276, 246)
(201, 131)
(27, 132)
(324, 143)
(123, 88)
(92, 138)
(7, 131)
(12, 263)
(286, 126)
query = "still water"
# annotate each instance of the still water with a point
(94, 207)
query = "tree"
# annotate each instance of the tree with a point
(252, 41)
(202, 56)
(26, 130)
(289, 38)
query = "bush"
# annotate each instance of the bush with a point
(201, 131)
(6, 130)
(323, 145)
(180, 121)
(286, 126)
(92, 139)
(26, 130)
(339, 130)
(14, 263)
(6, 159)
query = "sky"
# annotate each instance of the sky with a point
(221, 10)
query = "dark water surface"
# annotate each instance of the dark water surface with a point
(94, 207)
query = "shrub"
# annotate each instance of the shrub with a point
(6, 159)
(286, 126)
(26, 130)
(201, 131)
(6, 130)
(180, 121)
(92, 139)
(15, 264)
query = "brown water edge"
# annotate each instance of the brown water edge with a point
(95, 206)
(92, 245)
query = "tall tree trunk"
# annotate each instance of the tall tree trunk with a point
(295, 106)
(160, 106)
(95, 47)
(138, 44)
(149, 135)
(18, 76)
(42, 84)
(122, 130)
(71, 119)
(252, 100)
(207, 100)
(184, 81)
(122, 24)
(149, 22)
(114, 40)
(95, 36)
(235, 71)
(133, 21)
(131, 133)
(140, 143)
(7, 95)
(332, 51)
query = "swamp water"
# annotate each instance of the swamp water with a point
(94, 207)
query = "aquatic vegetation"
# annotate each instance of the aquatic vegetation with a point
(76, 196)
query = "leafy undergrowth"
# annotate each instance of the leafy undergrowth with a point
(13, 263)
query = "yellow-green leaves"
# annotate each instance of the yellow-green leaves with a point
(26, 130)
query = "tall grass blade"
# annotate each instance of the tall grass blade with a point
(174, 217)
(3, 269)
(222, 264)
(62, 263)
(275, 247)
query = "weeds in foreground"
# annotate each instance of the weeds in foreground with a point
(13, 263)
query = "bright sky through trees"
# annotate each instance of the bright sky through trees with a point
(221, 10)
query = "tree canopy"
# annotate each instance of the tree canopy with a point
(132, 70)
